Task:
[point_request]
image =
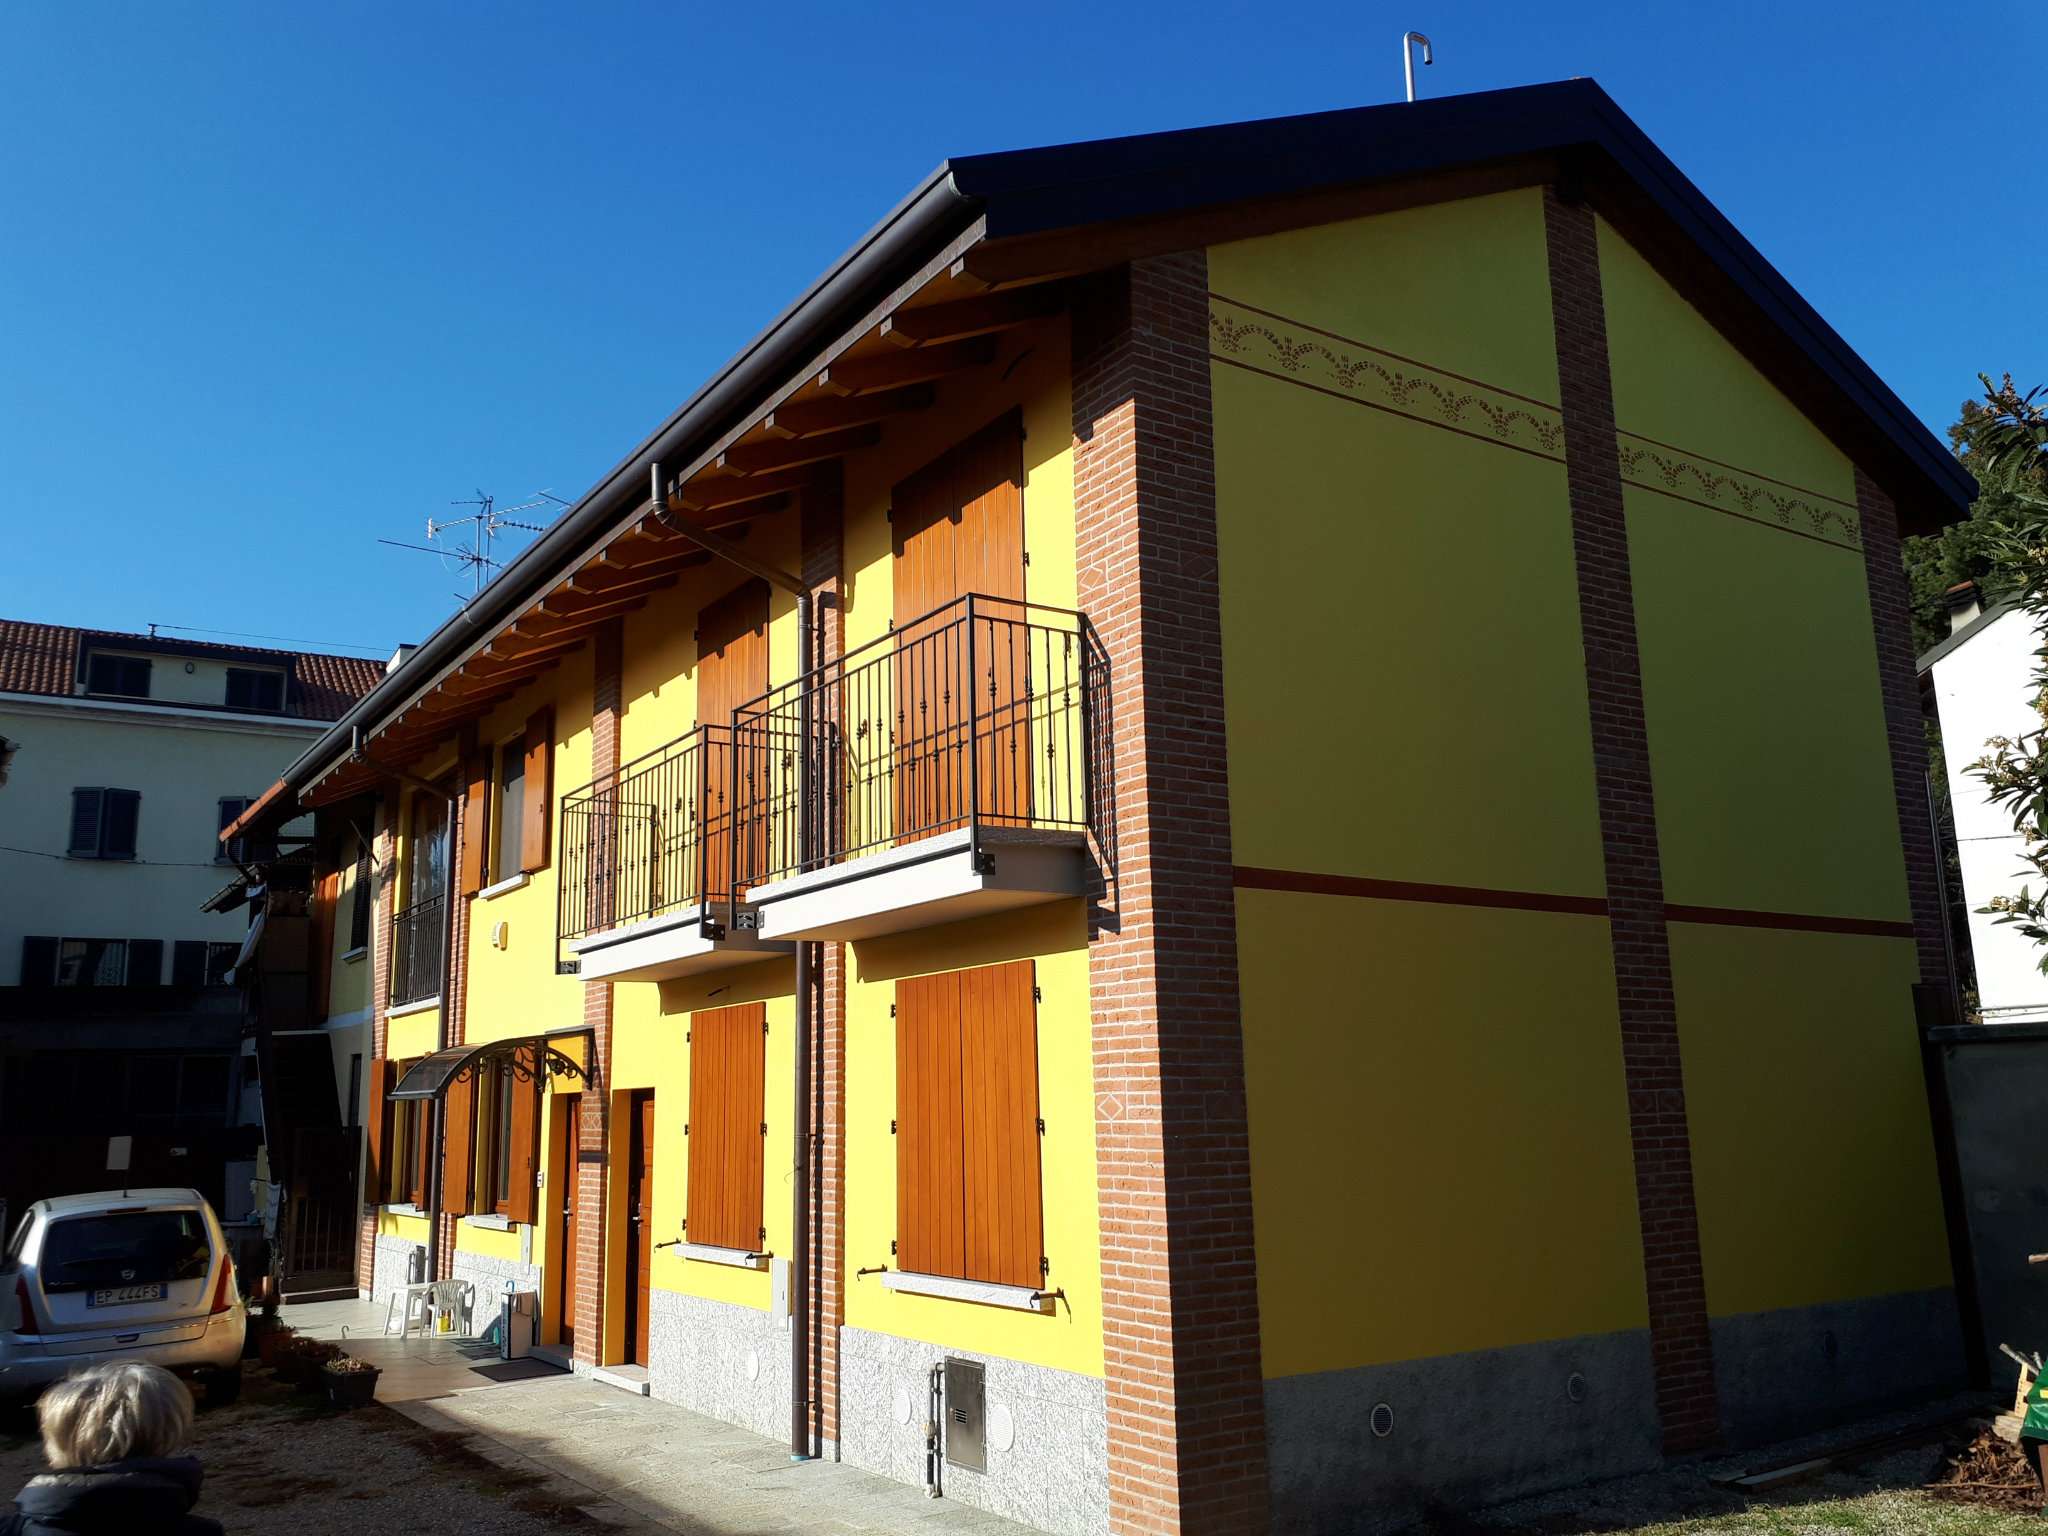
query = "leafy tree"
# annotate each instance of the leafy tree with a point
(1969, 550)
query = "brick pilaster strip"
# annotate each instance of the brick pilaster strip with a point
(823, 518)
(593, 1124)
(1187, 1431)
(384, 891)
(1680, 1344)
(455, 1006)
(1898, 681)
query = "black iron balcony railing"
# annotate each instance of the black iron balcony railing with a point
(988, 713)
(649, 839)
(418, 933)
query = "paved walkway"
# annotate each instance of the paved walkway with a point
(630, 1461)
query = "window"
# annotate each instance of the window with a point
(92, 963)
(197, 963)
(124, 677)
(354, 1109)
(967, 1167)
(493, 1116)
(235, 851)
(359, 911)
(254, 690)
(426, 850)
(727, 1058)
(510, 811)
(104, 823)
(509, 837)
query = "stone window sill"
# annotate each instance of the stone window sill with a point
(425, 1005)
(494, 1223)
(402, 1208)
(504, 887)
(356, 955)
(1019, 1298)
(738, 1258)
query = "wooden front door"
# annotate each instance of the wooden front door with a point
(640, 1222)
(959, 528)
(562, 1190)
(732, 668)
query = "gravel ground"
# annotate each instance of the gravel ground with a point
(277, 1466)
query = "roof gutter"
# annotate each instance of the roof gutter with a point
(934, 213)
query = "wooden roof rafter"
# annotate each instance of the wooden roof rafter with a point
(984, 314)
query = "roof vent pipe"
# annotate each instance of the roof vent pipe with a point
(1408, 42)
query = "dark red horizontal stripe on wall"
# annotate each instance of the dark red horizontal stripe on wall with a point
(1246, 878)
(1803, 922)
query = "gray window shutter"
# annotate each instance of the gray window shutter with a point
(85, 823)
(145, 962)
(188, 963)
(38, 961)
(122, 819)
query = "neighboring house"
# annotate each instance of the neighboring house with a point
(126, 755)
(1979, 682)
(1298, 948)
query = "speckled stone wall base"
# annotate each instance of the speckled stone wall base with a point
(388, 1266)
(727, 1362)
(1053, 1473)
(489, 1275)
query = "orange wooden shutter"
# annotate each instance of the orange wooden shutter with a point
(326, 892)
(377, 1128)
(422, 1150)
(458, 1134)
(999, 1123)
(732, 668)
(476, 799)
(728, 1062)
(522, 1200)
(537, 808)
(930, 1188)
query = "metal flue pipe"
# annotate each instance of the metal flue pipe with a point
(1408, 42)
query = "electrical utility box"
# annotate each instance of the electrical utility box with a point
(966, 1414)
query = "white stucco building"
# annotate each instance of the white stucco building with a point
(1980, 682)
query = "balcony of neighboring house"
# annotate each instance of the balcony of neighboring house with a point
(418, 935)
(957, 766)
(646, 867)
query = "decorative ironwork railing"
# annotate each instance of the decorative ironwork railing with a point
(418, 934)
(649, 839)
(987, 713)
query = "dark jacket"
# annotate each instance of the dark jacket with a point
(134, 1498)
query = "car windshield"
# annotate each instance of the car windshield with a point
(124, 1248)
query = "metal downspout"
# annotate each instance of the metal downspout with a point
(800, 1189)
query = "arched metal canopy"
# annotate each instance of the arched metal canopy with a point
(529, 1056)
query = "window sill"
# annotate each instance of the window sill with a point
(402, 1208)
(355, 955)
(737, 1258)
(425, 1005)
(503, 887)
(1018, 1298)
(492, 1223)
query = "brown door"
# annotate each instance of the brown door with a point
(562, 1188)
(640, 1223)
(959, 528)
(732, 668)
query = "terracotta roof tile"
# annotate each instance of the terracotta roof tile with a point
(43, 658)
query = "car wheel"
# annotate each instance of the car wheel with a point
(222, 1387)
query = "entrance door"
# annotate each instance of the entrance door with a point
(732, 668)
(562, 1186)
(640, 1222)
(959, 528)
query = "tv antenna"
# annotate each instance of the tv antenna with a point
(472, 537)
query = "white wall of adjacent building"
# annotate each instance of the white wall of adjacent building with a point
(1982, 688)
(182, 762)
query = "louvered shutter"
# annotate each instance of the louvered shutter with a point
(39, 960)
(85, 823)
(120, 823)
(145, 962)
(537, 809)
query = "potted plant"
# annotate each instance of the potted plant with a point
(271, 1339)
(299, 1360)
(262, 1322)
(351, 1383)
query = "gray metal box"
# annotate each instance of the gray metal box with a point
(966, 1415)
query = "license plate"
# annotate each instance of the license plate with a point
(123, 1295)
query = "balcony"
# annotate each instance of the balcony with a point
(646, 867)
(957, 766)
(418, 933)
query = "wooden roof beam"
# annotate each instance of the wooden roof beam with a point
(979, 316)
(913, 365)
(763, 458)
(719, 493)
(832, 413)
(610, 586)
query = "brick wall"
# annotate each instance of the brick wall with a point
(1681, 1348)
(823, 552)
(454, 1006)
(1180, 1298)
(384, 892)
(607, 651)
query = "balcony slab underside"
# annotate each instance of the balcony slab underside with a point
(670, 946)
(923, 883)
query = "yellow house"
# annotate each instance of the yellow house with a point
(1241, 816)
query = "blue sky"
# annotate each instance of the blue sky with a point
(278, 280)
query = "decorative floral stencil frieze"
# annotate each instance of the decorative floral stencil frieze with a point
(1295, 352)
(1704, 482)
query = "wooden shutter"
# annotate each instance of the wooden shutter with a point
(522, 1200)
(728, 1061)
(39, 960)
(537, 808)
(732, 669)
(145, 962)
(422, 1150)
(326, 897)
(120, 822)
(377, 1117)
(458, 1135)
(476, 800)
(85, 823)
(968, 1196)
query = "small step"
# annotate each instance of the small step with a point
(330, 1293)
(627, 1378)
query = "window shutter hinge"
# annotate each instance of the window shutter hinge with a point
(1041, 1125)
(764, 1026)
(892, 1010)
(764, 1127)
(686, 1037)
(1044, 1266)
(892, 1127)
(1027, 557)
(686, 1127)
(892, 1247)
(1037, 993)
(761, 1235)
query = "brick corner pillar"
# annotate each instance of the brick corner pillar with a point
(1681, 1343)
(824, 537)
(383, 895)
(593, 1125)
(1186, 1399)
(454, 1023)
(1891, 618)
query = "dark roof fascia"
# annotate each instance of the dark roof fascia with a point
(923, 222)
(153, 645)
(1966, 634)
(1042, 191)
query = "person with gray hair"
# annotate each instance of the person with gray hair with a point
(111, 1434)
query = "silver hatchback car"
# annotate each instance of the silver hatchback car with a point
(133, 1274)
